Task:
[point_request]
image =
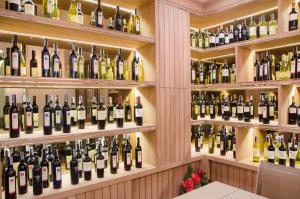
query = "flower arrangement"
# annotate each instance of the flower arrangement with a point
(193, 180)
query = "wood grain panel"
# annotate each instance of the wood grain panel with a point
(121, 191)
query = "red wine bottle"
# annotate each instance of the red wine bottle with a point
(87, 165)
(127, 158)
(37, 178)
(81, 114)
(100, 162)
(119, 113)
(56, 171)
(138, 112)
(6, 114)
(22, 176)
(66, 115)
(10, 181)
(74, 172)
(138, 154)
(45, 169)
(14, 127)
(101, 114)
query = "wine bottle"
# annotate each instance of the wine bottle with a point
(294, 64)
(45, 169)
(260, 109)
(28, 118)
(110, 111)
(55, 12)
(57, 115)
(87, 167)
(56, 65)
(233, 107)
(263, 28)
(14, 5)
(256, 150)
(118, 20)
(223, 142)
(68, 155)
(128, 116)
(197, 141)
(5, 113)
(81, 114)
(74, 172)
(22, 176)
(138, 154)
(113, 159)
(101, 114)
(226, 110)
(266, 145)
(10, 181)
(79, 14)
(235, 32)
(73, 66)
(212, 39)
(247, 112)
(102, 65)
(80, 64)
(47, 117)
(292, 153)
(251, 107)
(15, 55)
(100, 162)
(72, 14)
(29, 7)
(214, 73)
(138, 112)
(292, 112)
(202, 107)
(120, 66)
(22, 112)
(66, 116)
(73, 112)
(33, 66)
(261, 72)
(268, 67)
(271, 109)
(266, 111)
(30, 164)
(94, 64)
(37, 178)
(134, 68)
(256, 68)
(93, 111)
(244, 30)
(127, 159)
(78, 156)
(45, 60)
(293, 18)
(136, 22)
(225, 72)
(14, 127)
(240, 108)
(271, 152)
(252, 28)
(7, 63)
(272, 25)
(119, 113)
(50, 158)
(99, 15)
(48, 8)
(56, 171)
(212, 107)
(282, 152)
(105, 151)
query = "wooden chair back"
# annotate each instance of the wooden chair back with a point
(278, 182)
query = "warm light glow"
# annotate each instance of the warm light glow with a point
(110, 6)
(277, 47)
(221, 56)
(65, 40)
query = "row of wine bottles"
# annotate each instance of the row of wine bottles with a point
(294, 113)
(202, 73)
(224, 139)
(75, 14)
(236, 33)
(39, 167)
(62, 118)
(234, 108)
(99, 67)
(275, 150)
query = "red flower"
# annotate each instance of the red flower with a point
(200, 172)
(196, 178)
(188, 185)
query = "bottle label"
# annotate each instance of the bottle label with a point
(233, 111)
(221, 36)
(256, 152)
(206, 43)
(81, 114)
(57, 117)
(7, 70)
(261, 70)
(30, 167)
(254, 71)
(271, 155)
(74, 63)
(100, 18)
(68, 121)
(50, 6)
(6, 121)
(101, 115)
(199, 142)
(87, 166)
(225, 72)
(272, 30)
(252, 31)
(193, 75)
(46, 119)
(50, 168)
(12, 185)
(293, 17)
(246, 109)
(200, 41)
(15, 60)
(29, 119)
(81, 66)
(264, 112)
(218, 140)
(68, 160)
(298, 64)
(211, 109)
(114, 161)
(138, 112)
(22, 176)
(282, 155)
(46, 62)
(128, 158)
(233, 147)
(119, 113)
(214, 74)
(58, 174)
(96, 65)
(227, 40)
(271, 111)
(103, 68)
(29, 9)
(44, 173)
(100, 164)
(240, 109)
(94, 112)
(137, 26)
(74, 115)
(15, 121)
(79, 164)
(193, 42)
(139, 157)
(203, 109)
(56, 65)
(217, 40)
(222, 146)
(78, 19)
(263, 30)
(265, 69)
(121, 68)
(201, 77)
(292, 154)
(266, 152)
(293, 67)
(34, 72)
(212, 40)
(226, 108)
(293, 110)
(260, 111)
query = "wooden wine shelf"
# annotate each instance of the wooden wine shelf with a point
(17, 23)
(234, 122)
(41, 82)
(58, 136)
(279, 39)
(84, 186)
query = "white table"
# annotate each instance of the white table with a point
(217, 190)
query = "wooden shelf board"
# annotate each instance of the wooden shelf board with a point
(36, 26)
(289, 128)
(85, 186)
(58, 136)
(279, 39)
(234, 122)
(41, 82)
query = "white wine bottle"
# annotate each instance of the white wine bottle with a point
(72, 15)
(256, 151)
(55, 12)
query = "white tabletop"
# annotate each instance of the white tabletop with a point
(217, 190)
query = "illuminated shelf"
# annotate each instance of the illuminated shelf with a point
(58, 136)
(42, 82)
(17, 23)
(83, 186)
(234, 122)
(279, 39)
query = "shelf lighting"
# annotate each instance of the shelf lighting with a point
(65, 40)
(277, 47)
(110, 6)
(221, 56)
